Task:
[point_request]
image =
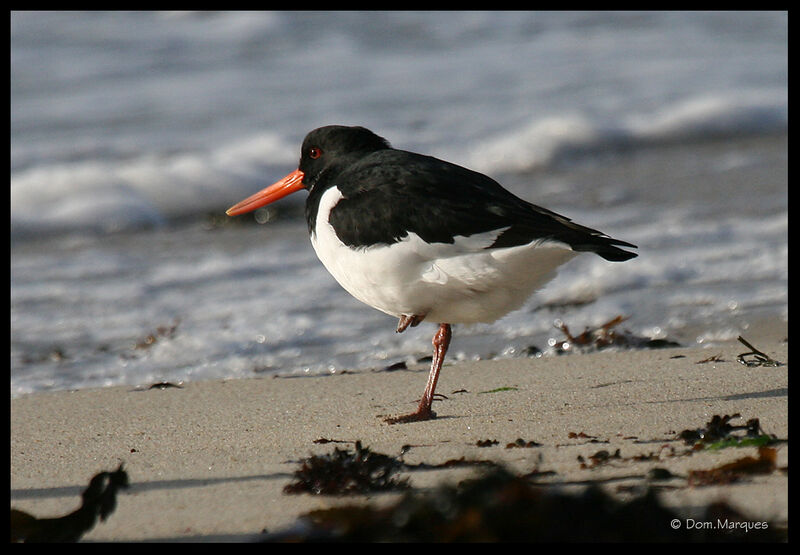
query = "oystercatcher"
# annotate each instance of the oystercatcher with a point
(423, 239)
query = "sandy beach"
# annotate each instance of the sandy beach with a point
(172, 368)
(209, 460)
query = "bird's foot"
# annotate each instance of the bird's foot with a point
(405, 321)
(419, 416)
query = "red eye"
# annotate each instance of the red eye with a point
(314, 153)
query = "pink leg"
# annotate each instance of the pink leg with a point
(441, 341)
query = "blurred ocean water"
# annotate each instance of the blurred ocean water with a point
(129, 129)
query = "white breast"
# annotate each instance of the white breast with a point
(448, 283)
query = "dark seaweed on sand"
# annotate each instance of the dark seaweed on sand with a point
(605, 336)
(500, 506)
(345, 472)
(754, 357)
(737, 470)
(719, 432)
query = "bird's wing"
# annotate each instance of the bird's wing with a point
(457, 203)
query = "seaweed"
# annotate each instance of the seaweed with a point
(99, 500)
(402, 365)
(584, 435)
(758, 358)
(737, 470)
(603, 456)
(500, 506)
(519, 442)
(600, 458)
(719, 433)
(605, 336)
(499, 389)
(756, 441)
(713, 358)
(522, 443)
(165, 385)
(450, 463)
(486, 442)
(324, 440)
(345, 472)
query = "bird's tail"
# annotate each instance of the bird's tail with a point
(608, 248)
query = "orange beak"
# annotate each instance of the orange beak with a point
(286, 186)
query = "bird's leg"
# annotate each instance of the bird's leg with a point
(441, 341)
(406, 321)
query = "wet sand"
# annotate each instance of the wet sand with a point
(209, 460)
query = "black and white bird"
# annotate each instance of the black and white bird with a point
(422, 239)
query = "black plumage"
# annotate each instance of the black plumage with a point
(388, 193)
